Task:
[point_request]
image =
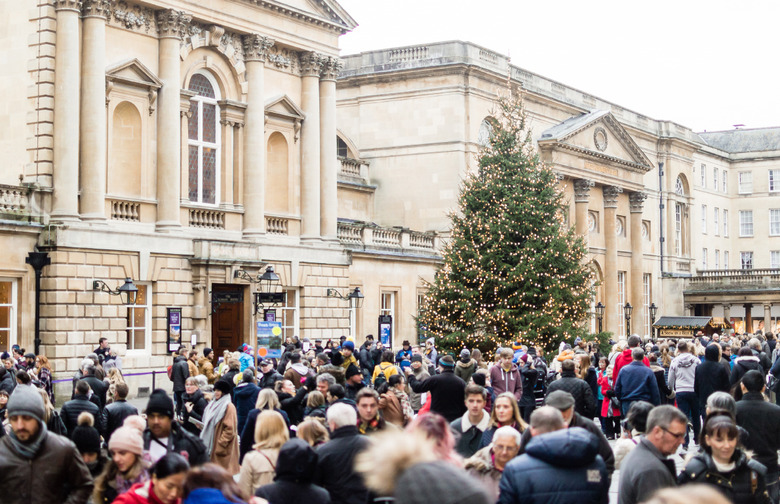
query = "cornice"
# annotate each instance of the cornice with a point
(294, 13)
(629, 165)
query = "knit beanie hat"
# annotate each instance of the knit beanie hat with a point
(159, 402)
(85, 436)
(207, 351)
(465, 355)
(447, 361)
(417, 358)
(352, 370)
(348, 345)
(25, 400)
(129, 437)
(479, 379)
(222, 386)
(438, 482)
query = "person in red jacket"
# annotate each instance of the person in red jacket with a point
(505, 377)
(166, 485)
(625, 358)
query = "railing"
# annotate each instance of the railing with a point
(14, 199)
(349, 234)
(350, 167)
(277, 225)
(367, 236)
(387, 237)
(408, 53)
(209, 219)
(125, 211)
(741, 279)
(421, 240)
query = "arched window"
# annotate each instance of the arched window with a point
(485, 132)
(203, 140)
(341, 148)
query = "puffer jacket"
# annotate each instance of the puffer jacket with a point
(745, 484)
(506, 381)
(179, 373)
(244, 397)
(742, 365)
(56, 474)
(268, 380)
(564, 464)
(682, 373)
(206, 368)
(72, 409)
(710, 376)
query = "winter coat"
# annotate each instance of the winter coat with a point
(294, 475)
(637, 382)
(183, 443)
(710, 376)
(257, 469)
(745, 484)
(366, 362)
(447, 393)
(480, 466)
(529, 377)
(335, 466)
(391, 409)
(584, 401)
(742, 365)
(224, 451)
(414, 397)
(294, 405)
(682, 372)
(470, 436)
(99, 388)
(643, 471)
(206, 368)
(464, 370)
(386, 368)
(247, 439)
(760, 419)
(506, 381)
(179, 373)
(297, 374)
(592, 380)
(7, 380)
(72, 409)
(603, 381)
(562, 466)
(207, 496)
(663, 388)
(140, 493)
(246, 361)
(244, 397)
(199, 404)
(268, 380)
(114, 415)
(624, 359)
(192, 366)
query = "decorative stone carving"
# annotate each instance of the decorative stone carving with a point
(311, 64)
(216, 33)
(133, 17)
(256, 47)
(611, 195)
(600, 139)
(620, 226)
(582, 190)
(637, 201)
(331, 68)
(67, 5)
(172, 23)
(593, 222)
(96, 8)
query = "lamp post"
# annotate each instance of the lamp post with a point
(627, 309)
(354, 298)
(653, 309)
(38, 260)
(127, 292)
(268, 293)
(600, 316)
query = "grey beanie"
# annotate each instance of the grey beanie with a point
(439, 482)
(26, 400)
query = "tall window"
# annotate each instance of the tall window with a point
(646, 303)
(289, 314)
(746, 260)
(745, 180)
(717, 259)
(774, 180)
(725, 184)
(725, 223)
(725, 259)
(621, 302)
(745, 223)
(704, 219)
(774, 221)
(704, 258)
(341, 147)
(8, 310)
(715, 223)
(703, 175)
(387, 307)
(774, 259)
(139, 318)
(203, 140)
(715, 178)
(678, 228)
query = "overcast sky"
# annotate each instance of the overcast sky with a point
(707, 65)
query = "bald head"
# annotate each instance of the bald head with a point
(546, 419)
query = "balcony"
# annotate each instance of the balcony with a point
(353, 170)
(369, 237)
(734, 281)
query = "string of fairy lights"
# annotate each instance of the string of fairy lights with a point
(513, 270)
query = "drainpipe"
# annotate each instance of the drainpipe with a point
(661, 238)
(38, 260)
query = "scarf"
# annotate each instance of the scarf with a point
(213, 414)
(123, 485)
(406, 406)
(29, 449)
(367, 427)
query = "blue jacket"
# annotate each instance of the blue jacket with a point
(246, 360)
(244, 397)
(560, 467)
(636, 382)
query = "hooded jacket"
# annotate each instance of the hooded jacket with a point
(682, 372)
(244, 397)
(745, 484)
(297, 374)
(560, 466)
(464, 370)
(481, 466)
(506, 381)
(711, 376)
(293, 483)
(624, 359)
(744, 364)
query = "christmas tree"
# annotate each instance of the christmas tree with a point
(513, 271)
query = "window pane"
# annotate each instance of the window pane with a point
(139, 339)
(202, 86)
(209, 122)
(4, 336)
(209, 175)
(193, 175)
(139, 317)
(5, 317)
(6, 289)
(192, 124)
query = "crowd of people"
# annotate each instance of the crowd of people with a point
(338, 423)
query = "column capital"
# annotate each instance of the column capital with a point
(74, 5)
(636, 201)
(256, 46)
(331, 68)
(582, 190)
(611, 195)
(96, 8)
(172, 23)
(312, 63)
(726, 306)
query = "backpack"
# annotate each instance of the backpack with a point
(170, 372)
(380, 378)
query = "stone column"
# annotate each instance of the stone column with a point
(748, 318)
(636, 202)
(727, 312)
(581, 198)
(65, 204)
(93, 109)
(311, 66)
(171, 25)
(328, 155)
(611, 313)
(255, 51)
(767, 317)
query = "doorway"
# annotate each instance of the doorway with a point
(227, 318)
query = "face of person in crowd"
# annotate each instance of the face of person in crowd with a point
(266, 368)
(89, 457)
(475, 404)
(722, 446)
(25, 427)
(568, 415)
(169, 489)
(416, 350)
(406, 347)
(355, 379)
(602, 365)
(668, 440)
(194, 358)
(367, 408)
(3, 400)
(8, 364)
(322, 387)
(217, 394)
(123, 459)
(190, 387)
(400, 385)
(346, 352)
(504, 448)
(104, 344)
(159, 424)
(288, 387)
(506, 362)
(503, 410)
(727, 351)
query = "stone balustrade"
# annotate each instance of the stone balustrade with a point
(14, 200)
(367, 236)
(129, 211)
(277, 225)
(741, 279)
(206, 218)
(353, 170)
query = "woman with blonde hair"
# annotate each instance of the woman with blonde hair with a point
(114, 377)
(51, 416)
(315, 405)
(266, 400)
(313, 431)
(43, 373)
(259, 465)
(505, 412)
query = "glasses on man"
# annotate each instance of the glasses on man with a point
(675, 434)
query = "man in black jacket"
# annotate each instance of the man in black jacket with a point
(98, 386)
(710, 376)
(335, 467)
(585, 403)
(447, 390)
(7, 380)
(115, 413)
(760, 419)
(70, 410)
(179, 374)
(163, 435)
(269, 375)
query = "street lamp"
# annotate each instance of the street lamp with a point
(653, 309)
(355, 296)
(127, 292)
(627, 309)
(600, 315)
(268, 284)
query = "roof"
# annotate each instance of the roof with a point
(571, 125)
(683, 322)
(744, 140)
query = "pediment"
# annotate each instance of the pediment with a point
(133, 72)
(597, 134)
(324, 9)
(283, 106)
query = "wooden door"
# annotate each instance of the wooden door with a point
(227, 322)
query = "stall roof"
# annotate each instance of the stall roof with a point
(682, 322)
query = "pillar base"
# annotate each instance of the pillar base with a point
(66, 218)
(94, 218)
(167, 226)
(254, 235)
(311, 240)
